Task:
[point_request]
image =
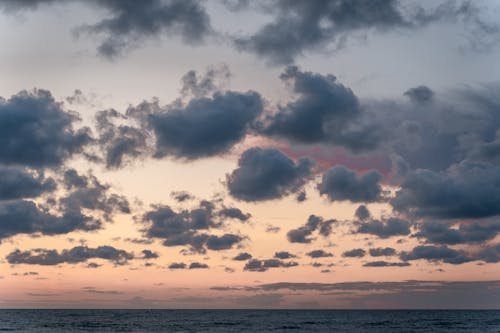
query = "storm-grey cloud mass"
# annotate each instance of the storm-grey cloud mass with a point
(465, 190)
(303, 233)
(319, 254)
(130, 23)
(72, 256)
(205, 126)
(20, 183)
(188, 227)
(340, 183)
(265, 174)
(384, 228)
(467, 232)
(354, 253)
(324, 111)
(257, 265)
(36, 131)
(300, 27)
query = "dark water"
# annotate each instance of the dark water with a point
(248, 321)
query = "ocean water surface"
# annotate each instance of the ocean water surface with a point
(249, 321)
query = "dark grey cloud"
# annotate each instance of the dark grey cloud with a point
(465, 190)
(214, 79)
(148, 254)
(26, 217)
(93, 195)
(130, 23)
(256, 265)
(284, 255)
(181, 196)
(300, 27)
(309, 25)
(490, 254)
(120, 144)
(362, 213)
(205, 126)
(188, 227)
(83, 207)
(20, 183)
(197, 265)
(354, 253)
(436, 253)
(303, 233)
(301, 196)
(385, 264)
(319, 254)
(440, 134)
(324, 111)
(384, 228)
(382, 252)
(234, 213)
(420, 94)
(224, 242)
(243, 256)
(35, 131)
(72, 256)
(177, 265)
(341, 183)
(467, 232)
(265, 174)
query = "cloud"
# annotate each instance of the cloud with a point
(148, 254)
(436, 253)
(324, 111)
(197, 265)
(465, 190)
(181, 196)
(301, 27)
(36, 132)
(382, 252)
(130, 23)
(303, 233)
(362, 213)
(284, 255)
(177, 265)
(340, 183)
(467, 232)
(420, 94)
(256, 265)
(384, 228)
(305, 25)
(354, 253)
(20, 183)
(319, 254)
(72, 256)
(15, 5)
(82, 207)
(188, 227)
(385, 264)
(120, 144)
(214, 79)
(490, 254)
(265, 174)
(26, 217)
(234, 213)
(205, 126)
(243, 256)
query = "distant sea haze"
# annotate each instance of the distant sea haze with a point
(481, 321)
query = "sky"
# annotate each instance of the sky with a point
(250, 154)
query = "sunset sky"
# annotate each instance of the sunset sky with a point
(249, 154)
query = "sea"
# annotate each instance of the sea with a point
(40, 321)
